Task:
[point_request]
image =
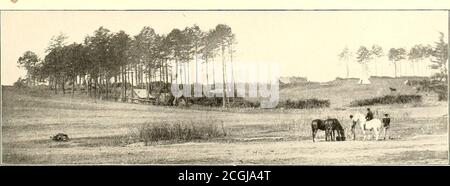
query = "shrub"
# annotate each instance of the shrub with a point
(423, 85)
(388, 99)
(181, 131)
(206, 101)
(439, 87)
(242, 103)
(304, 104)
(442, 91)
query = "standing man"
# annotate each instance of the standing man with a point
(386, 124)
(353, 128)
(369, 115)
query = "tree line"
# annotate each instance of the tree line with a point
(437, 54)
(107, 61)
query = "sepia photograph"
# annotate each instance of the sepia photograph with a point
(230, 87)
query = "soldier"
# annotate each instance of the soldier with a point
(369, 115)
(386, 124)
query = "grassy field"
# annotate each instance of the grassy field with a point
(343, 91)
(103, 132)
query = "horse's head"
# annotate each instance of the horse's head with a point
(354, 119)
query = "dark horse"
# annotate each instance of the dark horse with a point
(319, 124)
(329, 126)
(335, 125)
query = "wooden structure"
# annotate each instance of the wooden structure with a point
(142, 96)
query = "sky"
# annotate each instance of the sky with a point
(302, 43)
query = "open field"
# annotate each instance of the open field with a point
(341, 92)
(99, 132)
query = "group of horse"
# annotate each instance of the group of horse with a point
(335, 132)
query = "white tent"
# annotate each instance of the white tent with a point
(364, 78)
(142, 94)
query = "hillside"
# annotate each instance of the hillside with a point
(107, 132)
(341, 92)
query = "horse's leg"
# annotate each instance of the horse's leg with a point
(328, 133)
(339, 132)
(314, 135)
(332, 135)
(336, 135)
(385, 133)
(353, 134)
(346, 133)
(364, 134)
(376, 130)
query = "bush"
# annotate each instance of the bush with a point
(206, 101)
(442, 91)
(304, 104)
(242, 103)
(439, 87)
(388, 99)
(164, 99)
(181, 131)
(422, 85)
(237, 102)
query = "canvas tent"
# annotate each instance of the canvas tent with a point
(364, 78)
(141, 94)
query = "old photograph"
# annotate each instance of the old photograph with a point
(235, 87)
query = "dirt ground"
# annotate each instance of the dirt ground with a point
(430, 149)
(97, 130)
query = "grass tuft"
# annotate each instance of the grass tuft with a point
(179, 131)
(388, 99)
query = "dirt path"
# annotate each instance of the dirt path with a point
(429, 149)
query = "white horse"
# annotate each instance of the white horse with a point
(374, 124)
